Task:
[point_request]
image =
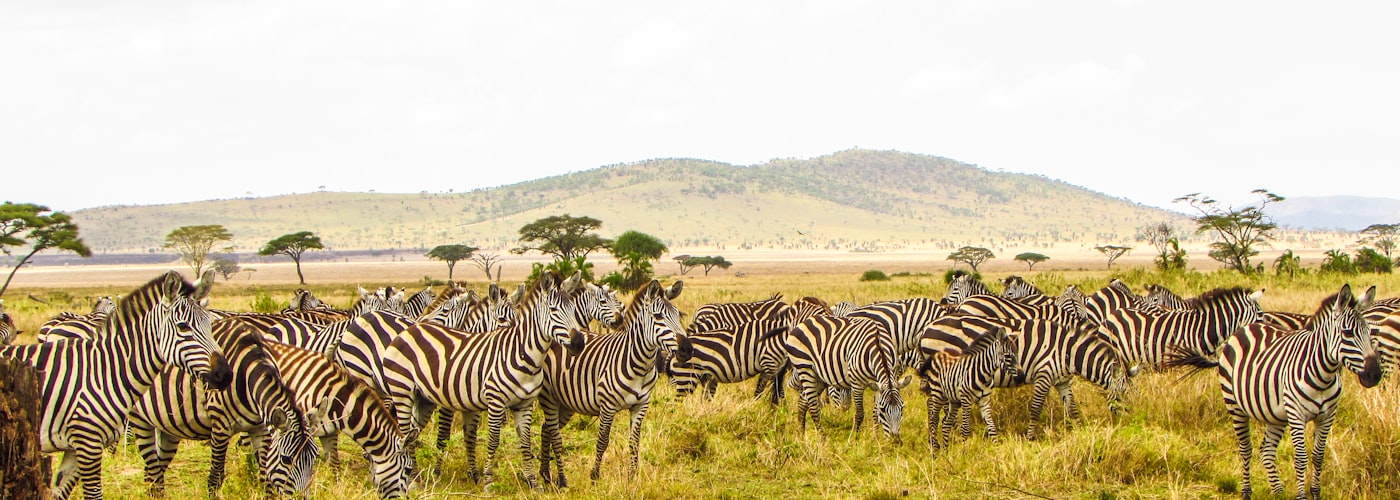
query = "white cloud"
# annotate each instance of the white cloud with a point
(941, 78)
(654, 40)
(1080, 83)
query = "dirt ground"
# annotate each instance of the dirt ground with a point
(401, 270)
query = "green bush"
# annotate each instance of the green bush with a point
(952, 274)
(264, 303)
(874, 275)
(1368, 260)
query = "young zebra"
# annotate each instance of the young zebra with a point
(613, 372)
(846, 353)
(355, 409)
(958, 381)
(177, 408)
(1287, 379)
(1145, 338)
(1048, 355)
(497, 372)
(964, 285)
(88, 385)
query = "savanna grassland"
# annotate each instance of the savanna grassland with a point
(1173, 441)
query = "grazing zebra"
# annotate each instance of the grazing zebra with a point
(730, 355)
(1287, 379)
(964, 285)
(1164, 298)
(177, 408)
(355, 408)
(960, 381)
(613, 372)
(8, 332)
(1048, 355)
(846, 353)
(1117, 295)
(88, 385)
(1145, 338)
(496, 372)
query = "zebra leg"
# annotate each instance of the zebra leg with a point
(156, 453)
(639, 412)
(557, 442)
(1066, 390)
(1268, 454)
(1322, 427)
(470, 421)
(218, 454)
(952, 410)
(760, 385)
(89, 459)
(984, 403)
(605, 421)
(711, 386)
(495, 420)
(67, 476)
(445, 416)
(1042, 391)
(330, 446)
(1297, 430)
(935, 405)
(1241, 425)
(523, 414)
(549, 426)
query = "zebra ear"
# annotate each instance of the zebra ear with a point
(318, 415)
(1255, 296)
(1367, 299)
(519, 294)
(675, 290)
(278, 420)
(203, 285)
(903, 381)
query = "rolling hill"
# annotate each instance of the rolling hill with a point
(1350, 213)
(855, 200)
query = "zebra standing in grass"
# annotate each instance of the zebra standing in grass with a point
(613, 372)
(962, 286)
(8, 332)
(960, 381)
(177, 408)
(1145, 338)
(728, 315)
(846, 353)
(88, 385)
(497, 372)
(1287, 379)
(731, 355)
(355, 409)
(1048, 355)
(902, 320)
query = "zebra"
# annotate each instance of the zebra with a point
(902, 320)
(88, 385)
(1016, 287)
(1385, 330)
(71, 325)
(600, 303)
(960, 381)
(304, 300)
(846, 353)
(177, 408)
(731, 355)
(324, 337)
(728, 315)
(962, 286)
(8, 332)
(355, 408)
(1166, 299)
(1048, 354)
(1287, 379)
(1286, 320)
(414, 305)
(1144, 338)
(613, 372)
(496, 372)
(995, 306)
(1117, 295)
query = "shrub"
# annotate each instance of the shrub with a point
(1368, 260)
(952, 274)
(874, 275)
(264, 303)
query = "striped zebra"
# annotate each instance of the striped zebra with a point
(1385, 330)
(1285, 320)
(731, 314)
(1048, 354)
(1017, 288)
(71, 325)
(1166, 299)
(731, 355)
(846, 353)
(1287, 379)
(303, 300)
(1117, 295)
(355, 409)
(600, 303)
(960, 381)
(613, 372)
(8, 332)
(498, 372)
(902, 320)
(962, 286)
(996, 306)
(88, 385)
(325, 337)
(1145, 338)
(177, 408)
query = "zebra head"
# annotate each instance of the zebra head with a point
(500, 307)
(289, 460)
(1016, 287)
(1072, 303)
(8, 332)
(652, 311)
(548, 308)
(180, 325)
(889, 404)
(600, 303)
(105, 305)
(393, 475)
(964, 285)
(1343, 321)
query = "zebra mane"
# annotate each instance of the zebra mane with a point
(812, 301)
(138, 302)
(1215, 295)
(1328, 304)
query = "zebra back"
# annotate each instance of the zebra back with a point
(1286, 320)
(992, 306)
(1145, 338)
(363, 344)
(1162, 297)
(729, 314)
(902, 320)
(1117, 295)
(846, 353)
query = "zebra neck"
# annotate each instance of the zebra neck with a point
(129, 360)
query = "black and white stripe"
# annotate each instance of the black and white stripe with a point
(957, 381)
(846, 353)
(1144, 338)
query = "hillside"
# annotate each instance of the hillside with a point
(1351, 213)
(857, 200)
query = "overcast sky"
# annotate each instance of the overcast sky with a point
(148, 102)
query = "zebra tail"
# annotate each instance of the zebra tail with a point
(1184, 357)
(773, 333)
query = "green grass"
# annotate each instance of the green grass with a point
(1172, 441)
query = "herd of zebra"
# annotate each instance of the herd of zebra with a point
(160, 366)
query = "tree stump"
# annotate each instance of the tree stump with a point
(24, 467)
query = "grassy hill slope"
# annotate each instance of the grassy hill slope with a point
(850, 200)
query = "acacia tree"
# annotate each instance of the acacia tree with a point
(635, 250)
(973, 256)
(196, 243)
(46, 229)
(563, 236)
(451, 254)
(1113, 252)
(1240, 230)
(485, 261)
(682, 261)
(225, 266)
(293, 245)
(707, 263)
(1031, 259)
(1382, 236)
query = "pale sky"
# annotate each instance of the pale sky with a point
(150, 101)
